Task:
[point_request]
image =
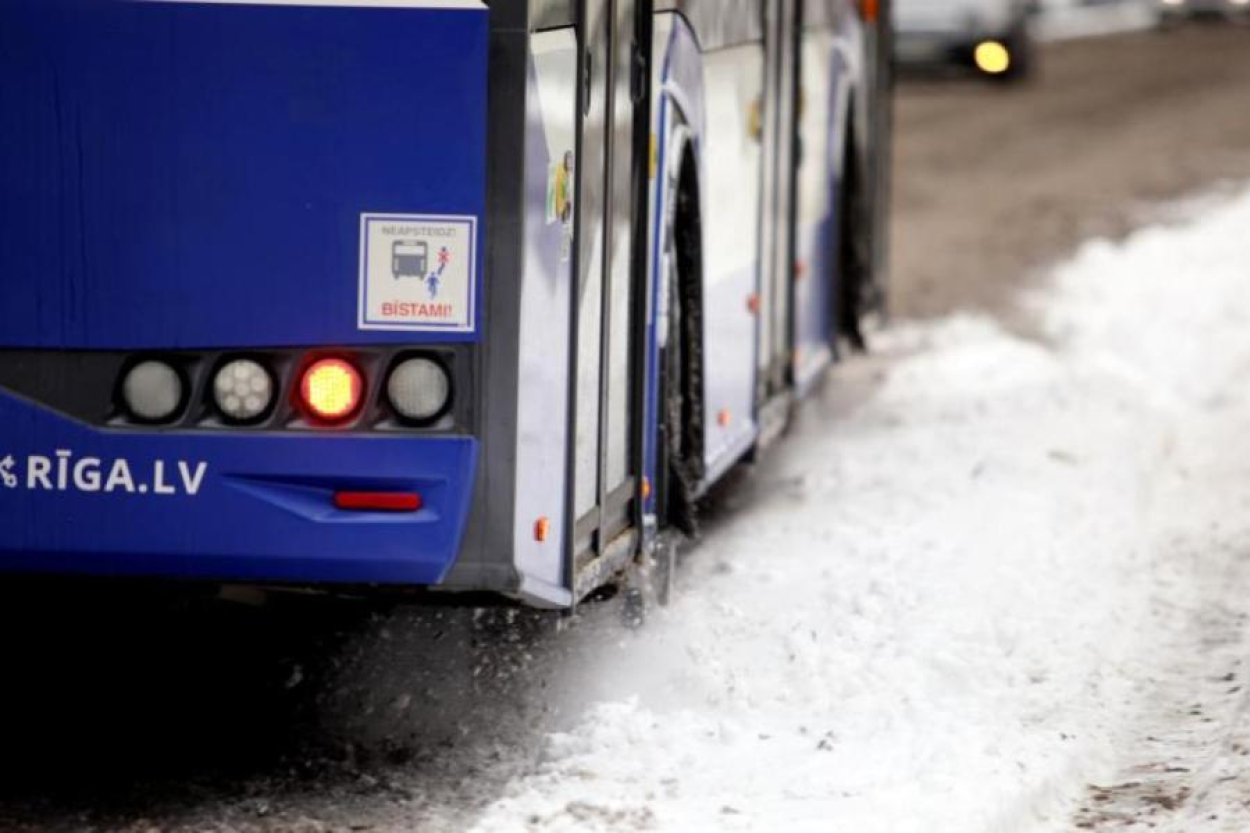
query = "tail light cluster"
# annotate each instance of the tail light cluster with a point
(407, 389)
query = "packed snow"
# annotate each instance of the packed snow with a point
(936, 605)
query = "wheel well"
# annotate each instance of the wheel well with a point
(854, 255)
(683, 423)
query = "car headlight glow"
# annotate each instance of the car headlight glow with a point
(992, 57)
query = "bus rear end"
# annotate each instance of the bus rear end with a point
(219, 359)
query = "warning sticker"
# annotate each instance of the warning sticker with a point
(418, 273)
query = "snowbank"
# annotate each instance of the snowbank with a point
(932, 605)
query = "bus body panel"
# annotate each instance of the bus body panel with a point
(713, 67)
(177, 175)
(76, 499)
(823, 128)
(546, 307)
(731, 237)
(233, 221)
(186, 175)
(657, 324)
(695, 91)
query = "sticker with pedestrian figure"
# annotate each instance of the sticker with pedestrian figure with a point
(417, 273)
(436, 277)
(410, 260)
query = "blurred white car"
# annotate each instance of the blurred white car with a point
(992, 36)
(1171, 10)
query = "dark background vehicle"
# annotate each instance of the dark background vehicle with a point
(992, 36)
(1175, 11)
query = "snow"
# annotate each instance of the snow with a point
(932, 607)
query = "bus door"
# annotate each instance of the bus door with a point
(605, 468)
(781, 25)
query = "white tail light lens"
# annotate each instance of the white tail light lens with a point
(243, 390)
(419, 389)
(153, 391)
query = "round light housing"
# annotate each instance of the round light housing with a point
(153, 391)
(419, 389)
(243, 390)
(331, 390)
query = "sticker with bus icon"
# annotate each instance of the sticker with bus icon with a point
(410, 259)
(417, 272)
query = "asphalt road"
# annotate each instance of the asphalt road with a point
(993, 182)
(123, 712)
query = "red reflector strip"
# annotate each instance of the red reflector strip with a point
(377, 501)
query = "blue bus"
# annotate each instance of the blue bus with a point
(638, 231)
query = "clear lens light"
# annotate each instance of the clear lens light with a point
(419, 389)
(243, 390)
(152, 391)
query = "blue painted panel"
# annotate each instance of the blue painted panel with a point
(216, 506)
(812, 305)
(661, 107)
(817, 241)
(190, 176)
(730, 334)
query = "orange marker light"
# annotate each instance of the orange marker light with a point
(331, 390)
(724, 418)
(542, 529)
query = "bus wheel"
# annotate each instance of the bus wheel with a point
(678, 472)
(681, 377)
(854, 255)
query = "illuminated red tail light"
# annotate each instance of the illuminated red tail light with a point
(331, 390)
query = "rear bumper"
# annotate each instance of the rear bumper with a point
(235, 507)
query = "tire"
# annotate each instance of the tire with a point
(855, 257)
(681, 362)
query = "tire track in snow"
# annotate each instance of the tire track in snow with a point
(1187, 733)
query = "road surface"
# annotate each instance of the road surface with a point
(995, 182)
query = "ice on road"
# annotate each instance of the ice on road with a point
(938, 609)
